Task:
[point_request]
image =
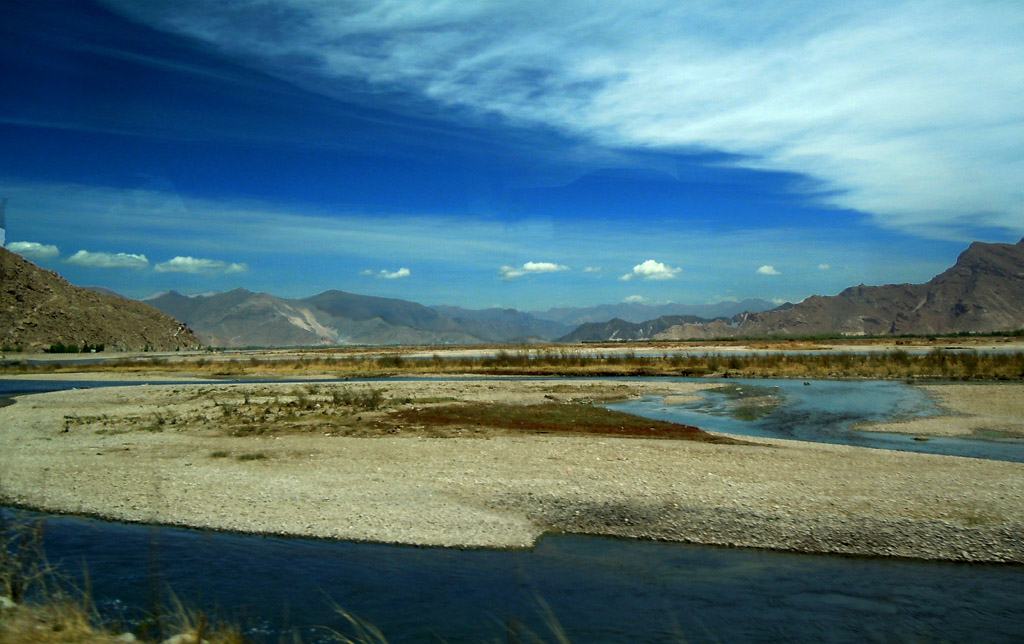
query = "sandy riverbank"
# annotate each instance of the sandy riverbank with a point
(492, 489)
(979, 409)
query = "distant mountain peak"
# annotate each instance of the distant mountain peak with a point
(982, 292)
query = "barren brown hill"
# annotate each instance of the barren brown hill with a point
(39, 308)
(983, 292)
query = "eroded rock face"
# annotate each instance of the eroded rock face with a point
(39, 308)
(983, 292)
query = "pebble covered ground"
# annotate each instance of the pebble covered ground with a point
(971, 409)
(92, 452)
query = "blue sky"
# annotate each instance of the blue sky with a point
(524, 154)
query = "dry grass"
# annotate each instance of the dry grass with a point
(53, 622)
(60, 621)
(253, 411)
(570, 361)
(363, 411)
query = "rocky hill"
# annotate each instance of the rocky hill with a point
(983, 292)
(39, 308)
(241, 318)
(637, 312)
(618, 330)
(504, 325)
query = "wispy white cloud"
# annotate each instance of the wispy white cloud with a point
(768, 270)
(168, 221)
(635, 299)
(592, 269)
(108, 260)
(387, 275)
(512, 272)
(34, 250)
(279, 238)
(651, 270)
(910, 112)
(824, 267)
(196, 266)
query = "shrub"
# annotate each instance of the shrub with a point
(58, 347)
(391, 362)
(366, 399)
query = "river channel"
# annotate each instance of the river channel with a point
(824, 411)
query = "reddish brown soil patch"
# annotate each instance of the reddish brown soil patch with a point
(552, 418)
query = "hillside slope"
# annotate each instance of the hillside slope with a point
(636, 312)
(620, 330)
(39, 308)
(241, 318)
(983, 292)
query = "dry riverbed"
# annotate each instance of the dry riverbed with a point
(457, 463)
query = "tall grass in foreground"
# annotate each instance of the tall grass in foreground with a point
(39, 606)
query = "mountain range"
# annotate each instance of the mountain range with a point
(242, 318)
(639, 312)
(39, 308)
(983, 292)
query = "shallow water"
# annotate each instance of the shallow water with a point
(598, 589)
(825, 411)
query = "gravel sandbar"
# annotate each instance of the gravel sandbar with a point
(976, 409)
(94, 452)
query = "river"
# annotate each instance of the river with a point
(596, 589)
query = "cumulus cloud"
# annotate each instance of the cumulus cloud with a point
(768, 270)
(512, 272)
(823, 267)
(387, 275)
(878, 102)
(635, 299)
(651, 270)
(108, 260)
(34, 250)
(196, 266)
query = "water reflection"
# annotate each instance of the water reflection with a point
(825, 411)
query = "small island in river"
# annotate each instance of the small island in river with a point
(475, 462)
